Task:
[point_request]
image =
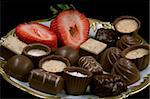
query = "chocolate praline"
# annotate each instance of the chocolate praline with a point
(127, 41)
(68, 52)
(126, 25)
(107, 36)
(139, 54)
(19, 67)
(54, 64)
(107, 85)
(36, 52)
(45, 81)
(127, 70)
(109, 57)
(89, 63)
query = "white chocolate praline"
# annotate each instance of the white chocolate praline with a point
(36, 52)
(126, 25)
(77, 74)
(93, 46)
(137, 53)
(54, 66)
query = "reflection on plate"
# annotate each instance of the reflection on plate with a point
(132, 89)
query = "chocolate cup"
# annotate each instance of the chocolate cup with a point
(141, 63)
(55, 57)
(126, 17)
(76, 85)
(36, 59)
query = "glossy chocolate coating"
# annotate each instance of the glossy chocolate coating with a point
(107, 36)
(127, 70)
(90, 63)
(76, 85)
(127, 41)
(36, 59)
(107, 85)
(45, 81)
(71, 54)
(141, 63)
(109, 57)
(19, 67)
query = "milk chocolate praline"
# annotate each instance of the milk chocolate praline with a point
(109, 57)
(19, 67)
(127, 41)
(106, 85)
(140, 62)
(68, 52)
(56, 58)
(127, 70)
(131, 25)
(36, 58)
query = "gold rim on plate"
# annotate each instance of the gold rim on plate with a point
(130, 92)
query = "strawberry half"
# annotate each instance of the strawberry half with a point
(36, 33)
(71, 27)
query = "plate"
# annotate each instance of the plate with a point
(132, 89)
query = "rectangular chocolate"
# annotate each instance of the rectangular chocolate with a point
(45, 81)
(92, 47)
(11, 46)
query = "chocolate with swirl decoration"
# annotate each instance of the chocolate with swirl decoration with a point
(127, 41)
(45, 81)
(127, 70)
(109, 57)
(90, 63)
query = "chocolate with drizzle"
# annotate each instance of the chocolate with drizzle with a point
(90, 63)
(45, 81)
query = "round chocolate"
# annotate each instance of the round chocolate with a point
(127, 70)
(126, 24)
(54, 63)
(107, 36)
(109, 57)
(139, 54)
(19, 67)
(36, 52)
(68, 52)
(107, 85)
(127, 41)
(89, 63)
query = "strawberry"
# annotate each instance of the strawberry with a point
(71, 27)
(36, 33)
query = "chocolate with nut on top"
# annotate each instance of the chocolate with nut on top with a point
(107, 85)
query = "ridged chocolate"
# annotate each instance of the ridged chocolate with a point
(76, 85)
(109, 57)
(142, 62)
(127, 70)
(127, 41)
(89, 63)
(107, 36)
(107, 85)
(45, 81)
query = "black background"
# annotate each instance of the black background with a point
(14, 12)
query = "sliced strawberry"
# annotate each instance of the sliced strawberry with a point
(71, 27)
(36, 33)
